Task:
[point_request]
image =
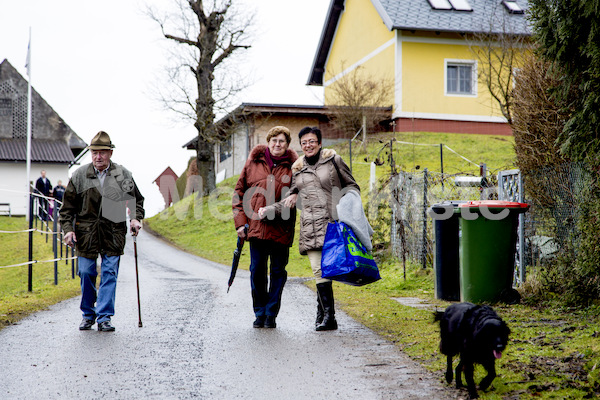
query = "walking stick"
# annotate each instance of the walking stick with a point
(137, 280)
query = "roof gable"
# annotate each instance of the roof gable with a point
(167, 172)
(52, 139)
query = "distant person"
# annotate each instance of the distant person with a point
(266, 176)
(51, 204)
(94, 220)
(43, 187)
(318, 179)
(59, 191)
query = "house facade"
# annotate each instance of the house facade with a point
(54, 145)
(427, 50)
(250, 123)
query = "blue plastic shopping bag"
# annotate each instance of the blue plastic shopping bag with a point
(345, 259)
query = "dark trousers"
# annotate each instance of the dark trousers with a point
(267, 302)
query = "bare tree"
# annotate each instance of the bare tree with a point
(360, 101)
(206, 34)
(538, 120)
(499, 53)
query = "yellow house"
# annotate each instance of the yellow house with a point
(425, 49)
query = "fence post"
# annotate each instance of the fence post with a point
(350, 153)
(484, 184)
(60, 235)
(424, 248)
(442, 164)
(394, 201)
(54, 245)
(30, 269)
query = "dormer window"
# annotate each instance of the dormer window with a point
(461, 5)
(458, 5)
(512, 7)
(440, 4)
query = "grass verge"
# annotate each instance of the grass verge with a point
(16, 301)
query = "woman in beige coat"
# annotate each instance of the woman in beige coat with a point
(319, 179)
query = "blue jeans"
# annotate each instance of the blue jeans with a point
(267, 302)
(104, 298)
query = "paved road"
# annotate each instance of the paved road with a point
(198, 342)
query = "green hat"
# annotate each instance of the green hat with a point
(101, 142)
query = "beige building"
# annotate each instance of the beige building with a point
(252, 121)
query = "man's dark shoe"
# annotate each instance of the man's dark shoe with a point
(270, 322)
(259, 322)
(86, 324)
(105, 326)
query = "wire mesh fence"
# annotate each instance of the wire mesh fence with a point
(398, 210)
(407, 198)
(550, 226)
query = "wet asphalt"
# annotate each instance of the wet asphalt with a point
(197, 342)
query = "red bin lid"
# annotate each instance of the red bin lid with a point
(495, 204)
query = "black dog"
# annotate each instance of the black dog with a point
(479, 335)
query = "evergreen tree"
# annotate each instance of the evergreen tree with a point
(568, 32)
(568, 36)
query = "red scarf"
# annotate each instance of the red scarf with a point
(273, 160)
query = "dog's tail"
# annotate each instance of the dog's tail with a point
(437, 315)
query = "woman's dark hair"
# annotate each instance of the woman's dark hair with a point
(308, 129)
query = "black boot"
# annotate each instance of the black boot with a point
(325, 291)
(320, 312)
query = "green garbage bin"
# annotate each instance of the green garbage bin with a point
(488, 239)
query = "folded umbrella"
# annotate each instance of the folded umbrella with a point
(237, 253)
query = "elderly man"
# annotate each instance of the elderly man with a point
(94, 220)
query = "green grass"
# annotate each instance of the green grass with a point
(497, 152)
(552, 353)
(16, 301)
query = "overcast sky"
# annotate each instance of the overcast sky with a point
(94, 62)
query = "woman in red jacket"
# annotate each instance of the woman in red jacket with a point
(265, 179)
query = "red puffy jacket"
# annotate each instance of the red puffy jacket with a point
(259, 186)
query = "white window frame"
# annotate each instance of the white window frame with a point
(440, 4)
(461, 5)
(457, 62)
(512, 7)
